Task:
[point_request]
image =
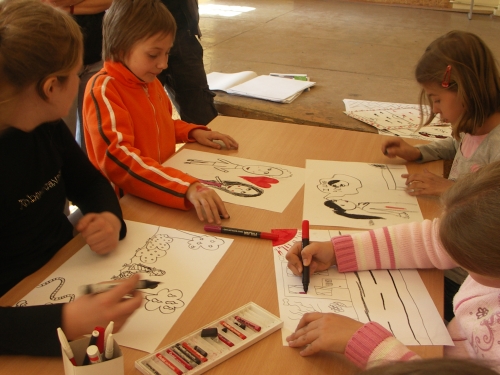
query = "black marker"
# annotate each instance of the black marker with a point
(305, 242)
(104, 287)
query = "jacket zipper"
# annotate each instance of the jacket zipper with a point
(145, 88)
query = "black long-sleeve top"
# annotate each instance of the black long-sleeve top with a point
(39, 170)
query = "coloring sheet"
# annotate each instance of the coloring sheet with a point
(357, 195)
(396, 299)
(240, 181)
(180, 260)
(397, 119)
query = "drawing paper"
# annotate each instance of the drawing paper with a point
(396, 299)
(397, 119)
(180, 260)
(357, 195)
(240, 181)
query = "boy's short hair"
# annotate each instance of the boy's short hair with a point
(128, 21)
(469, 228)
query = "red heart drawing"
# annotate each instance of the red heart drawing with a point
(263, 182)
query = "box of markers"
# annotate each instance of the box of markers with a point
(210, 345)
(113, 366)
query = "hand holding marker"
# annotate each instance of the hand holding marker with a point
(305, 242)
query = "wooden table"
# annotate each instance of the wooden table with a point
(246, 272)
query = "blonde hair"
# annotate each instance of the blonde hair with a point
(470, 224)
(129, 21)
(37, 41)
(474, 77)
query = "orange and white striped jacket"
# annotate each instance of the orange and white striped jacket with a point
(129, 133)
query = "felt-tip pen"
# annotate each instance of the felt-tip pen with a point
(104, 287)
(65, 346)
(305, 242)
(242, 232)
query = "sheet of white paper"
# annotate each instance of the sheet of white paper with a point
(270, 88)
(426, 133)
(398, 118)
(246, 182)
(357, 195)
(388, 297)
(180, 260)
(224, 81)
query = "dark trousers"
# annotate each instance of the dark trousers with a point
(186, 81)
(450, 289)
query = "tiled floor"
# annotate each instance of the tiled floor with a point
(351, 49)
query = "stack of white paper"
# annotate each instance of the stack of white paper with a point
(276, 89)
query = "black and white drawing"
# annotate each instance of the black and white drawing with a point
(246, 182)
(358, 195)
(181, 261)
(397, 299)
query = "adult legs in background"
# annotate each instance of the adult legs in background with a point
(186, 81)
(88, 72)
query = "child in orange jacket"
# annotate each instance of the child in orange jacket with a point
(129, 130)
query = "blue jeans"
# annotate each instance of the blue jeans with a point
(186, 81)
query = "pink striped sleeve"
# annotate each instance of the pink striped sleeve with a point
(412, 245)
(373, 345)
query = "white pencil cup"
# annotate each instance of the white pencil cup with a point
(79, 347)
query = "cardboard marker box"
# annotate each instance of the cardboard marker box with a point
(79, 347)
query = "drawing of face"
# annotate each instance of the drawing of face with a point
(263, 170)
(339, 185)
(240, 189)
(149, 256)
(346, 205)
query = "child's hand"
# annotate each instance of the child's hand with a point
(397, 147)
(206, 138)
(319, 256)
(100, 231)
(81, 316)
(320, 331)
(426, 183)
(206, 203)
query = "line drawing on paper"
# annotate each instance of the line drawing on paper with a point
(236, 188)
(52, 297)
(358, 195)
(157, 246)
(384, 296)
(224, 165)
(392, 182)
(397, 119)
(339, 185)
(297, 309)
(252, 183)
(366, 210)
(166, 301)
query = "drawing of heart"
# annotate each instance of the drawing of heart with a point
(263, 182)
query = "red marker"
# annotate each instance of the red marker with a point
(179, 359)
(193, 352)
(100, 339)
(234, 330)
(248, 323)
(242, 232)
(224, 340)
(169, 364)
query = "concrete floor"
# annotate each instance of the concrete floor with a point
(351, 49)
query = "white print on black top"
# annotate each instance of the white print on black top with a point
(32, 198)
